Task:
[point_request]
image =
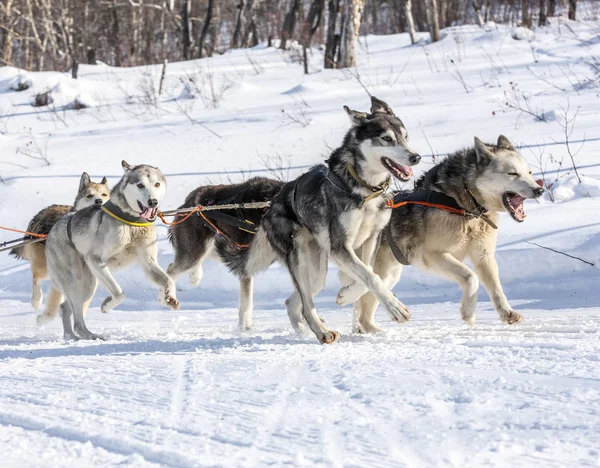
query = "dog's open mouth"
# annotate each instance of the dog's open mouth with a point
(147, 213)
(399, 171)
(514, 205)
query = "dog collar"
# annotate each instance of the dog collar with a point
(480, 211)
(117, 213)
(376, 189)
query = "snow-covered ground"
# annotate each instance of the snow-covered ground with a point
(187, 388)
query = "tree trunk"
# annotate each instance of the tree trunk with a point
(410, 22)
(374, 17)
(542, 14)
(205, 28)
(250, 36)
(310, 26)
(237, 32)
(551, 8)
(573, 10)
(350, 31)
(186, 29)
(478, 15)
(525, 15)
(432, 20)
(289, 23)
(115, 38)
(7, 50)
(332, 34)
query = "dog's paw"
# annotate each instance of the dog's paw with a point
(397, 310)
(350, 294)
(510, 316)
(367, 328)
(36, 301)
(468, 317)
(329, 337)
(171, 302)
(111, 302)
(42, 319)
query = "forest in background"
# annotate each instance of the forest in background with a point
(39, 35)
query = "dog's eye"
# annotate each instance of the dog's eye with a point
(513, 174)
(90, 196)
(140, 186)
(387, 138)
(105, 195)
(157, 184)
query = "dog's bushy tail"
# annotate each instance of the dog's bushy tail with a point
(18, 252)
(247, 261)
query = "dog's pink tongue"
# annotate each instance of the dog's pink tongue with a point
(406, 169)
(516, 202)
(147, 214)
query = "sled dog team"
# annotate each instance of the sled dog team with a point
(342, 210)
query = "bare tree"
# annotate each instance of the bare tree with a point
(410, 22)
(333, 33)
(526, 20)
(205, 28)
(310, 26)
(352, 16)
(478, 15)
(186, 29)
(289, 23)
(573, 10)
(432, 20)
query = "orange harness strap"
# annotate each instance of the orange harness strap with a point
(393, 205)
(32, 234)
(184, 217)
(198, 209)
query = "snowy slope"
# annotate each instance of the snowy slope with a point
(187, 389)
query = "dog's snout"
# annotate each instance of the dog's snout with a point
(414, 158)
(538, 191)
(152, 202)
(98, 201)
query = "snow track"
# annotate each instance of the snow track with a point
(431, 392)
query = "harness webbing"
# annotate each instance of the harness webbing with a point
(430, 199)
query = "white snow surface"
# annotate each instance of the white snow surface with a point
(188, 389)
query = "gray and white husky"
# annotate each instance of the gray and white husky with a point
(336, 210)
(88, 194)
(485, 178)
(83, 247)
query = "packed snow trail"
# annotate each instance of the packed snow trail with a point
(192, 392)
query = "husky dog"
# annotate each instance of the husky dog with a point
(194, 239)
(89, 194)
(338, 210)
(485, 179)
(83, 247)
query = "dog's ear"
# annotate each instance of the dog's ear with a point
(104, 181)
(126, 166)
(356, 117)
(84, 181)
(505, 143)
(380, 107)
(483, 152)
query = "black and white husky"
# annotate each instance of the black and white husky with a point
(336, 210)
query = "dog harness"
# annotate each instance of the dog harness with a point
(114, 211)
(431, 199)
(239, 220)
